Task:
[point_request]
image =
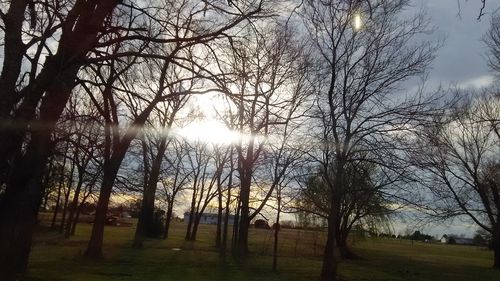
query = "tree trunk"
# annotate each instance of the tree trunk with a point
(236, 223)
(59, 191)
(45, 184)
(329, 266)
(94, 248)
(191, 214)
(244, 219)
(56, 210)
(344, 250)
(18, 213)
(168, 219)
(496, 246)
(146, 218)
(218, 235)
(227, 213)
(73, 207)
(226, 222)
(79, 211)
(196, 223)
(276, 236)
(145, 224)
(21, 200)
(66, 199)
(20, 203)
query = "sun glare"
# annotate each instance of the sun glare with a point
(210, 131)
(207, 127)
(358, 23)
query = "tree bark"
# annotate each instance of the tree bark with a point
(21, 201)
(344, 250)
(73, 206)
(58, 202)
(496, 246)
(244, 216)
(227, 213)
(66, 199)
(145, 224)
(329, 266)
(168, 219)
(191, 214)
(111, 167)
(196, 223)
(48, 96)
(276, 236)
(17, 220)
(218, 235)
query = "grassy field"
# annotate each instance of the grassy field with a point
(54, 258)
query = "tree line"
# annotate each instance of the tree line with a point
(95, 95)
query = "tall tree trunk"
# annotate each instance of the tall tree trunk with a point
(227, 207)
(146, 218)
(236, 224)
(218, 235)
(66, 199)
(13, 53)
(191, 215)
(168, 219)
(329, 266)
(341, 241)
(496, 245)
(111, 167)
(45, 184)
(196, 223)
(17, 220)
(73, 206)
(20, 204)
(77, 214)
(145, 224)
(244, 219)
(277, 227)
(59, 191)
(58, 202)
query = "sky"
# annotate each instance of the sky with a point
(460, 62)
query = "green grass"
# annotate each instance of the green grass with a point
(54, 258)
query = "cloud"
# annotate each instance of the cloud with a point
(461, 61)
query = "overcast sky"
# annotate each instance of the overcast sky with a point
(461, 60)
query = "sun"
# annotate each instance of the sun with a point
(209, 131)
(208, 127)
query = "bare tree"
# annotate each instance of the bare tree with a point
(33, 97)
(259, 71)
(458, 159)
(175, 178)
(364, 49)
(154, 152)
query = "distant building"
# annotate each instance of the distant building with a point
(464, 241)
(444, 239)
(450, 239)
(209, 218)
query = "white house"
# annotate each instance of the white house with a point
(209, 218)
(457, 240)
(444, 239)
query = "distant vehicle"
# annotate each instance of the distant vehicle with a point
(112, 220)
(117, 221)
